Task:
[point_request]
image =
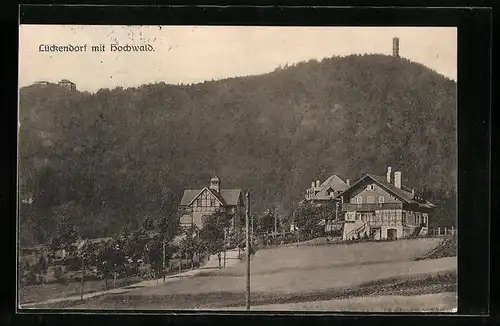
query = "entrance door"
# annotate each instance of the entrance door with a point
(392, 234)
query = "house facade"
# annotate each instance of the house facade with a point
(197, 205)
(322, 193)
(42, 83)
(326, 192)
(67, 84)
(381, 208)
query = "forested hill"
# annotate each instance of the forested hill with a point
(108, 159)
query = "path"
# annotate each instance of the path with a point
(213, 263)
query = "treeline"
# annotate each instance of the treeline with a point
(151, 247)
(109, 158)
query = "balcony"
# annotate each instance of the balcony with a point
(370, 207)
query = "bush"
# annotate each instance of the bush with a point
(59, 273)
(29, 278)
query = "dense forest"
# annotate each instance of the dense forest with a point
(109, 159)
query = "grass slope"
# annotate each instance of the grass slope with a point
(302, 274)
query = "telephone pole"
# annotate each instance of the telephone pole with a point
(164, 260)
(81, 285)
(248, 251)
(82, 256)
(275, 222)
(251, 227)
(225, 243)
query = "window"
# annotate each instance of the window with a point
(212, 202)
(370, 199)
(198, 202)
(381, 199)
(359, 200)
(370, 187)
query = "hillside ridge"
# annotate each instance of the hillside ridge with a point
(111, 157)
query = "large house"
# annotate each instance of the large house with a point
(68, 84)
(197, 205)
(380, 208)
(320, 194)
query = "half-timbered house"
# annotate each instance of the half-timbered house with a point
(197, 205)
(380, 208)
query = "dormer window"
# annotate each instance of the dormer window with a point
(370, 187)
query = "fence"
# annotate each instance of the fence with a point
(443, 231)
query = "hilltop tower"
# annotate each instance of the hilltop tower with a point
(395, 46)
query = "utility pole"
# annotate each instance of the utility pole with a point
(81, 251)
(252, 238)
(225, 243)
(163, 260)
(275, 222)
(81, 285)
(248, 251)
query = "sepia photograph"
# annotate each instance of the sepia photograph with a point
(237, 168)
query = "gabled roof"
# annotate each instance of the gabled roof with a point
(231, 196)
(402, 193)
(333, 182)
(188, 196)
(215, 194)
(225, 196)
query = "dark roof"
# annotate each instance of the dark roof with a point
(402, 193)
(188, 196)
(231, 196)
(226, 196)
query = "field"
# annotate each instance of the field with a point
(315, 276)
(40, 292)
(53, 289)
(439, 302)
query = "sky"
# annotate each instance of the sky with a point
(192, 54)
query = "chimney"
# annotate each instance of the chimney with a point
(397, 179)
(312, 185)
(395, 47)
(317, 183)
(389, 174)
(348, 182)
(413, 191)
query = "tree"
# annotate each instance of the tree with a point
(307, 219)
(111, 259)
(213, 232)
(65, 235)
(168, 228)
(135, 245)
(266, 222)
(148, 223)
(156, 257)
(41, 266)
(27, 274)
(190, 244)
